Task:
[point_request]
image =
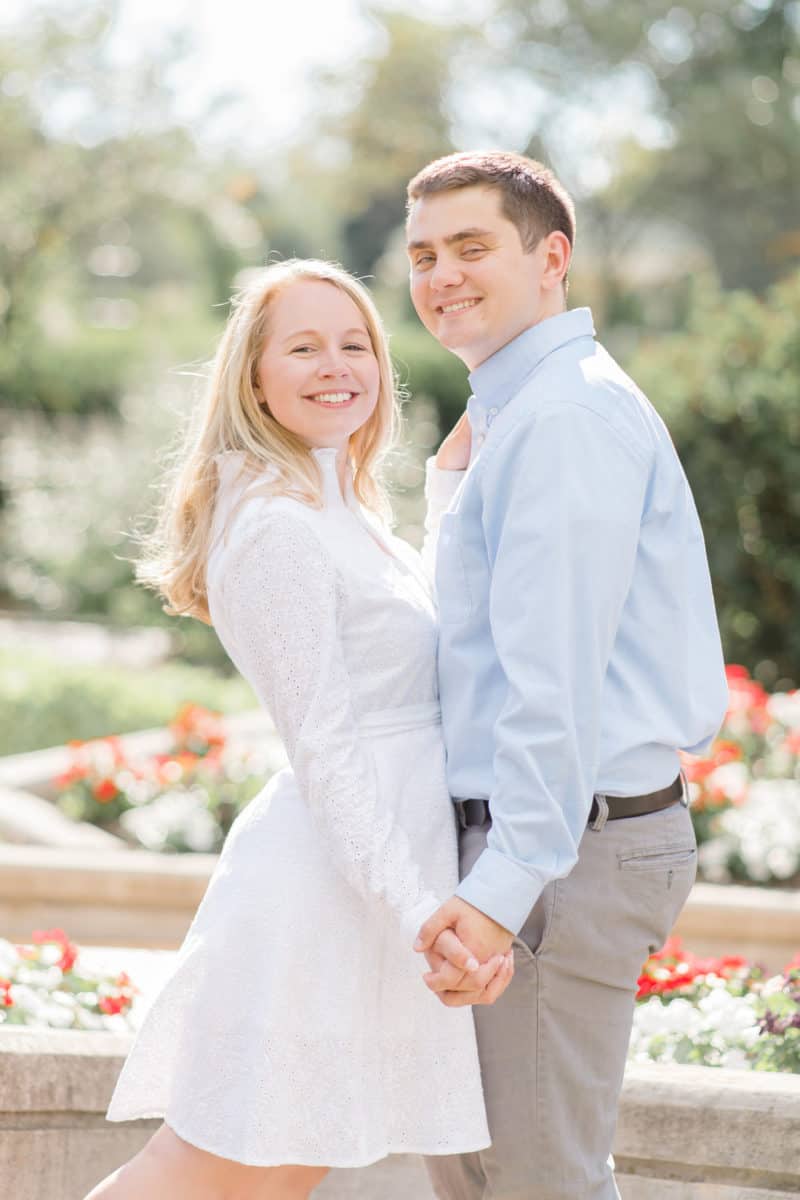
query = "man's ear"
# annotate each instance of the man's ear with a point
(558, 253)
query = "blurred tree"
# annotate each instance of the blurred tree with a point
(727, 389)
(381, 122)
(117, 238)
(714, 110)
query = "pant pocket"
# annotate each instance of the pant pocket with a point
(537, 930)
(657, 858)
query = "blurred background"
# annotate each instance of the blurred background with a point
(152, 153)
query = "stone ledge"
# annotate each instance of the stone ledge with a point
(761, 923)
(685, 1133)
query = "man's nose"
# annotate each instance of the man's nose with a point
(446, 273)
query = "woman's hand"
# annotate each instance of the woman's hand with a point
(455, 450)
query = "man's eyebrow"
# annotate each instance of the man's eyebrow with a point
(461, 236)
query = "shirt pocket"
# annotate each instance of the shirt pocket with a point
(453, 593)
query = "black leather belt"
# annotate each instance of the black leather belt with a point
(604, 808)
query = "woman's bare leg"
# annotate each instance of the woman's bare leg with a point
(168, 1168)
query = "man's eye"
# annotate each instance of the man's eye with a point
(473, 250)
(424, 260)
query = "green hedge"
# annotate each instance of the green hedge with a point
(729, 390)
(50, 702)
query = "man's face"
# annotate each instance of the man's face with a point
(472, 283)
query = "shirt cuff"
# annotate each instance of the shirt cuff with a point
(414, 918)
(440, 485)
(502, 889)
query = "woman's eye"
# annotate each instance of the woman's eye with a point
(355, 346)
(301, 349)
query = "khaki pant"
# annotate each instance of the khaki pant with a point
(553, 1047)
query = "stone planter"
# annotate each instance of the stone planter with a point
(685, 1133)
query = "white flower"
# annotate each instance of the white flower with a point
(732, 779)
(9, 958)
(785, 707)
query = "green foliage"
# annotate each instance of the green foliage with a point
(728, 390)
(703, 167)
(56, 702)
(426, 369)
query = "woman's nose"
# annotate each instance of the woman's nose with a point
(333, 363)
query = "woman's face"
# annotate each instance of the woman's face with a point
(318, 373)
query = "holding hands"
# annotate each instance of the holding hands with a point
(470, 956)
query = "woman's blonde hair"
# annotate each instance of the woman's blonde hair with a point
(233, 418)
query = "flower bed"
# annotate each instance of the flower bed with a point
(716, 1012)
(746, 793)
(182, 800)
(46, 985)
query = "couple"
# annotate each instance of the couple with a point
(577, 651)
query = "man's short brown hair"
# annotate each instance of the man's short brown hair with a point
(531, 196)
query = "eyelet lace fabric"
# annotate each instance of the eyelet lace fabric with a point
(296, 1026)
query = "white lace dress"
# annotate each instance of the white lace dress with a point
(296, 1027)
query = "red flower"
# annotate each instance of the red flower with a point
(672, 969)
(57, 937)
(735, 671)
(113, 1004)
(792, 743)
(5, 993)
(725, 752)
(105, 790)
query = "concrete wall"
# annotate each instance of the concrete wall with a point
(685, 1133)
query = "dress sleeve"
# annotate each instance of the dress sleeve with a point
(282, 598)
(440, 488)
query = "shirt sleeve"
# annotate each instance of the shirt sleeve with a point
(440, 488)
(562, 503)
(282, 600)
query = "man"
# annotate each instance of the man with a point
(579, 650)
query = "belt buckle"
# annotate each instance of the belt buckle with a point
(602, 813)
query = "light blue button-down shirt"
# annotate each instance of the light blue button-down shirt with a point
(579, 645)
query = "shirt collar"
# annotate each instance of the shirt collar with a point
(495, 381)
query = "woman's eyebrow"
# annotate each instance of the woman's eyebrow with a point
(360, 330)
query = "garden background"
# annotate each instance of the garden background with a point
(124, 229)
(139, 188)
(129, 214)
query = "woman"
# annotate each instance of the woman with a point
(295, 1033)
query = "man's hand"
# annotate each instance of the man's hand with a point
(472, 928)
(455, 450)
(453, 939)
(456, 988)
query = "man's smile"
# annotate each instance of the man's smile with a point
(457, 306)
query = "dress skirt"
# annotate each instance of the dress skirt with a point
(295, 1027)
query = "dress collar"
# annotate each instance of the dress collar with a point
(495, 381)
(235, 477)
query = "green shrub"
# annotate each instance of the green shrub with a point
(51, 702)
(728, 389)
